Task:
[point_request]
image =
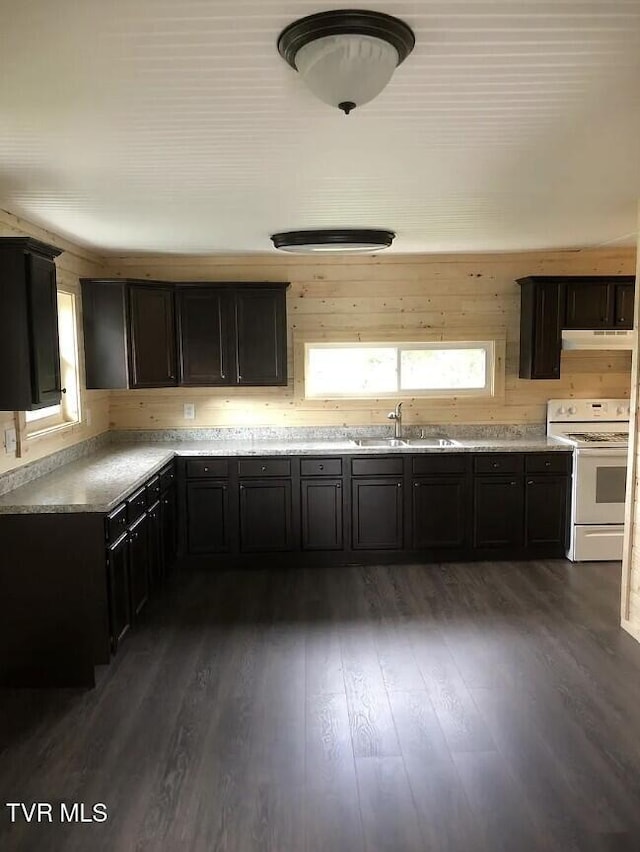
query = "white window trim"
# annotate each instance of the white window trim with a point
(59, 421)
(494, 363)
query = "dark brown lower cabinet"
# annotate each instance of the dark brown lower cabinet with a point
(545, 507)
(439, 512)
(169, 527)
(119, 592)
(321, 508)
(139, 565)
(208, 520)
(498, 512)
(154, 545)
(377, 514)
(266, 515)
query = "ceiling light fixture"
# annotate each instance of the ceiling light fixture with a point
(333, 240)
(346, 57)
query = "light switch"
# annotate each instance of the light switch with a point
(10, 440)
(189, 410)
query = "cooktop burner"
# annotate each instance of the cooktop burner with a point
(599, 437)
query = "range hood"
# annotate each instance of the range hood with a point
(604, 339)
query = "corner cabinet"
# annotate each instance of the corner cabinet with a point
(29, 346)
(142, 334)
(551, 303)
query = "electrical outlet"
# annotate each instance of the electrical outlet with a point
(10, 442)
(189, 411)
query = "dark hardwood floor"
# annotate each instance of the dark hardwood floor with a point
(467, 708)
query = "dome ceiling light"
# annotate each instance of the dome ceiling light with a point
(333, 240)
(346, 57)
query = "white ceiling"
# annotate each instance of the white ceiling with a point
(174, 125)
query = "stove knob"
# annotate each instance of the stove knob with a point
(572, 409)
(622, 409)
(561, 410)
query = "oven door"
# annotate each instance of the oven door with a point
(599, 486)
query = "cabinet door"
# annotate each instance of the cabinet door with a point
(321, 511)
(169, 527)
(261, 329)
(203, 320)
(541, 318)
(377, 514)
(43, 331)
(545, 510)
(119, 592)
(589, 304)
(152, 339)
(265, 515)
(154, 545)
(139, 565)
(208, 517)
(498, 511)
(439, 512)
(624, 305)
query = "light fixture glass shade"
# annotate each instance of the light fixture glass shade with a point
(350, 240)
(348, 68)
(346, 56)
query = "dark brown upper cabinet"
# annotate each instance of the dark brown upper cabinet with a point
(29, 346)
(541, 317)
(152, 336)
(204, 336)
(551, 303)
(589, 304)
(260, 327)
(220, 334)
(232, 334)
(129, 334)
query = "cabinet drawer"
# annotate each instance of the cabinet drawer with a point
(218, 468)
(439, 463)
(264, 467)
(321, 467)
(547, 462)
(136, 505)
(499, 463)
(377, 466)
(153, 490)
(167, 477)
(116, 523)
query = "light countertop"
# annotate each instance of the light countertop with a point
(98, 482)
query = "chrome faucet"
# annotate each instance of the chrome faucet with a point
(396, 416)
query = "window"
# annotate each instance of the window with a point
(461, 368)
(55, 416)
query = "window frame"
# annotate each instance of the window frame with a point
(493, 362)
(55, 421)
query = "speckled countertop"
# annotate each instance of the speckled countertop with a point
(98, 482)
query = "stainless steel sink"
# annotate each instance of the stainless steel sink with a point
(405, 442)
(430, 442)
(379, 442)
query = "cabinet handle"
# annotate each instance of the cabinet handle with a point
(242, 488)
(320, 467)
(530, 482)
(263, 467)
(513, 483)
(547, 464)
(239, 377)
(338, 485)
(223, 376)
(416, 485)
(206, 470)
(495, 464)
(399, 485)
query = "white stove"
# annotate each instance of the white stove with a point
(598, 430)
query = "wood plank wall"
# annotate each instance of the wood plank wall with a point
(72, 264)
(415, 297)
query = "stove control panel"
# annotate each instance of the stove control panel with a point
(587, 410)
